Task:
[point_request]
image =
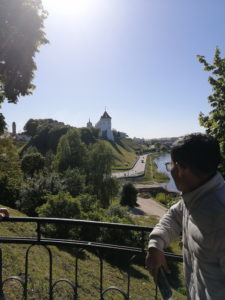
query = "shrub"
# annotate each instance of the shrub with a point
(129, 195)
(32, 163)
(61, 205)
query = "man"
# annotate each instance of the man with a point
(200, 216)
(4, 213)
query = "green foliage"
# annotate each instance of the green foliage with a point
(32, 163)
(100, 161)
(116, 210)
(167, 199)
(71, 151)
(2, 123)
(19, 43)
(10, 172)
(34, 190)
(214, 122)
(87, 135)
(88, 202)
(74, 182)
(30, 128)
(49, 159)
(129, 195)
(99, 173)
(62, 159)
(31, 150)
(61, 205)
(45, 134)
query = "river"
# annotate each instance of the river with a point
(160, 162)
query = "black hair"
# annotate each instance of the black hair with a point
(197, 151)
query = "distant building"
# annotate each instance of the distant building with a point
(104, 125)
(89, 124)
(16, 136)
(22, 137)
(13, 128)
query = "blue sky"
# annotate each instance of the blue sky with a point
(137, 58)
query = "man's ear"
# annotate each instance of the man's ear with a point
(181, 169)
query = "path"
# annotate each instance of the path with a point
(149, 207)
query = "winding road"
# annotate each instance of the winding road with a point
(138, 168)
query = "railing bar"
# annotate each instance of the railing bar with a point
(80, 222)
(1, 279)
(175, 257)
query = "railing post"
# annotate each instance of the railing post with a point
(142, 240)
(1, 281)
(101, 276)
(50, 273)
(38, 231)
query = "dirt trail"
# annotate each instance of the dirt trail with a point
(149, 207)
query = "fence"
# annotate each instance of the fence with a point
(133, 252)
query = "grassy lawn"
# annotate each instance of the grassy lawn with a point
(124, 157)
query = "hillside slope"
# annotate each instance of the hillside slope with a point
(125, 152)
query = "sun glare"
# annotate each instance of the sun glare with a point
(75, 7)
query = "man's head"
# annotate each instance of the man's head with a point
(195, 158)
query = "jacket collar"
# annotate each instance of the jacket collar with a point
(216, 182)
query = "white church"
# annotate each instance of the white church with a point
(104, 125)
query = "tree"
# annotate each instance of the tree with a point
(87, 136)
(73, 181)
(34, 190)
(71, 151)
(99, 175)
(45, 134)
(61, 205)
(214, 122)
(10, 173)
(19, 44)
(62, 158)
(32, 163)
(129, 195)
(30, 128)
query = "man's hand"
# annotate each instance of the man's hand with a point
(4, 213)
(154, 260)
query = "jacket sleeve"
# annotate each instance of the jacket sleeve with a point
(168, 228)
(219, 242)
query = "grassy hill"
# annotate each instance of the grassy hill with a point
(125, 152)
(142, 287)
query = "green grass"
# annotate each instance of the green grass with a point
(124, 156)
(142, 286)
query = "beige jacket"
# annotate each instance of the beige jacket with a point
(200, 216)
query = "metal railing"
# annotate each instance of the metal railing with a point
(99, 248)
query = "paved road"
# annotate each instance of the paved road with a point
(135, 171)
(149, 207)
